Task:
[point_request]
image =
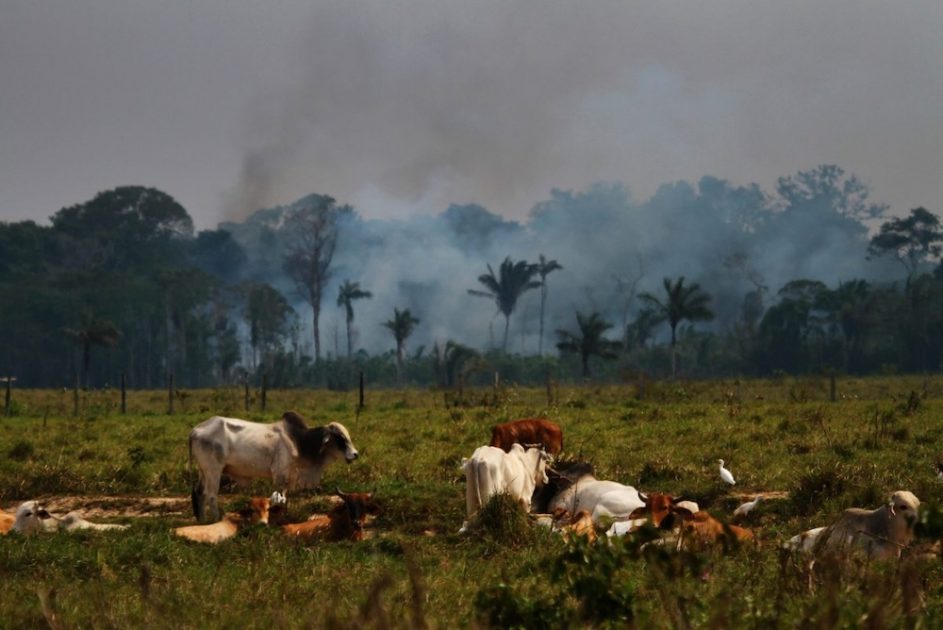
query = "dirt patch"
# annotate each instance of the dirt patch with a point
(767, 495)
(113, 507)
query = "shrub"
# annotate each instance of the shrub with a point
(21, 450)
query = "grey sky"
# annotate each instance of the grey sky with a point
(403, 107)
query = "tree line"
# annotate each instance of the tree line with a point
(123, 284)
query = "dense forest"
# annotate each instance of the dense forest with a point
(705, 279)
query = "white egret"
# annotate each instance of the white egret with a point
(748, 507)
(725, 474)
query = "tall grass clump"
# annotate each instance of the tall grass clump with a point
(502, 522)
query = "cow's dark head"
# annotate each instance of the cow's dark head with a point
(352, 513)
(320, 444)
(560, 476)
(337, 438)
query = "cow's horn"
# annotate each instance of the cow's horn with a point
(643, 496)
(340, 493)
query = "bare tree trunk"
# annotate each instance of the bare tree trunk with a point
(315, 313)
(507, 325)
(350, 342)
(543, 301)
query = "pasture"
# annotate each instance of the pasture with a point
(785, 437)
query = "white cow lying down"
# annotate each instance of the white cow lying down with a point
(32, 517)
(490, 471)
(73, 521)
(573, 487)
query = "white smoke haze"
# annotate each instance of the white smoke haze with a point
(432, 103)
(428, 263)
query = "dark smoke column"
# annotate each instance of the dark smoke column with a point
(312, 231)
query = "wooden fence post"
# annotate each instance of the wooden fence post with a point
(264, 387)
(170, 393)
(360, 400)
(549, 389)
(75, 396)
(7, 409)
(245, 385)
(124, 393)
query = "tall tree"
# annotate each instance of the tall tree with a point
(346, 294)
(401, 326)
(92, 332)
(681, 303)
(512, 281)
(589, 341)
(911, 240)
(268, 315)
(544, 268)
(313, 229)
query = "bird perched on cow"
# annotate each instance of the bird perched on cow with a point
(725, 474)
(880, 534)
(745, 508)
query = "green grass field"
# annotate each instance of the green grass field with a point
(784, 436)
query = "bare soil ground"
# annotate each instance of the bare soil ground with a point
(112, 507)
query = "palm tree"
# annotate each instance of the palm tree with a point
(453, 361)
(642, 327)
(590, 341)
(92, 332)
(346, 294)
(544, 268)
(512, 281)
(401, 326)
(683, 303)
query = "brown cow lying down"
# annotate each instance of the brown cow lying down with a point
(701, 530)
(580, 524)
(344, 522)
(529, 432)
(6, 522)
(257, 512)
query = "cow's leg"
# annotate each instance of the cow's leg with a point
(210, 479)
(471, 494)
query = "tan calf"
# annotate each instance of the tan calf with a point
(229, 526)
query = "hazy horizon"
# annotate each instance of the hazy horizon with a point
(402, 110)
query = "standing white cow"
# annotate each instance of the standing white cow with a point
(287, 451)
(490, 471)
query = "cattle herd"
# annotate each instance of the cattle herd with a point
(562, 495)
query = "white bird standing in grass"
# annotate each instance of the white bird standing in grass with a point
(939, 471)
(725, 474)
(748, 507)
